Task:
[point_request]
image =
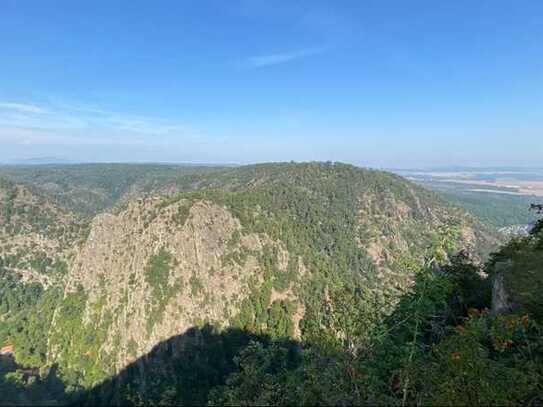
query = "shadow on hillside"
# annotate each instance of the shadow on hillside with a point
(183, 369)
(179, 371)
(19, 386)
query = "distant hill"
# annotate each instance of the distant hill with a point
(41, 161)
(90, 188)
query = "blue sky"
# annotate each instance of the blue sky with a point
(375, 83)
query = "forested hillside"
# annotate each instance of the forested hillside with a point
(497, 210)
(90, 188)
(317, 283)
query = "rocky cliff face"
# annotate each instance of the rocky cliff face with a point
(501, 301)
(158, 268)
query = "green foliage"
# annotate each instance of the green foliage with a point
(27, 387)
(182, 214)
(157, 272)
(26, 311)
(132, 347)
(279, 324)
(23, 211)
(15, 296)
(157, 276)
(264, 377)
(486, 361)
(493, 209)
(77, 340)
(175, 378)
(253, 315)
(196, 286)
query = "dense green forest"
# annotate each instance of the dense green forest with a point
(495, 207)
(420, 325)
(498, 210)
(442, 345)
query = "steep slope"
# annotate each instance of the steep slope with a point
(36, 241)
(154, 270)
(34, 234)
(275, 248)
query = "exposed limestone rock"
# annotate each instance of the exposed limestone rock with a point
(203, 284)
(501, 303)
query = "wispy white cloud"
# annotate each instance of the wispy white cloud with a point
(260, 61)
(67, 124)
(36, 136)
(21, 107)
(86, 118)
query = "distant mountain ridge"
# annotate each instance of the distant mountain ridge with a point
(41, 161)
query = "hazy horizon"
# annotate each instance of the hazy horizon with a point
(376, 84)
(60, 161)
